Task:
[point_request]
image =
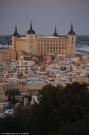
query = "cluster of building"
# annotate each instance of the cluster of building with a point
(37, 45)
(34, 61)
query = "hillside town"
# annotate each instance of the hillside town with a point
(28, 73)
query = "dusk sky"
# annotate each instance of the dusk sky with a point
(44, 14)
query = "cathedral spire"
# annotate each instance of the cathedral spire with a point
(31, 31)
(71, 28)
(55, 32)
(71, 32)
(31, 25)
(16, 34)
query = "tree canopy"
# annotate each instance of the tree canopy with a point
(58, 107)
(61, 111)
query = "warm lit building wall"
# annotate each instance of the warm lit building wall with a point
(10, 55)
(71, 45)
(81, 79)
(27, 44)
(19, 54)
(2, 56)
(52, 45)
(34, 44)
(64, 45)
(31, 42)
(7, 55)
(19, 44)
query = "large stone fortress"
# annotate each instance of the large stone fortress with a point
(54, 44)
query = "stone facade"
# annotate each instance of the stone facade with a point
(7, 55)
(54, 44)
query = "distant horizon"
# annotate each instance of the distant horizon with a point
(42, 34)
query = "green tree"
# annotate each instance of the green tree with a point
(61, 111)
(58, 107)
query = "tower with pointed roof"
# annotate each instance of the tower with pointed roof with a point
(71, 42)
(14, 37)
(31, 40)
(34, 44)
(55, 32)
(16, 34)
(31, 31)
(71, 32)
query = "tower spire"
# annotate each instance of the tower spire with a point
(55, 32)
(31, 25)
(71, 28)
(15, 28)
(71, 32)
(16, 34)
(31, 31)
